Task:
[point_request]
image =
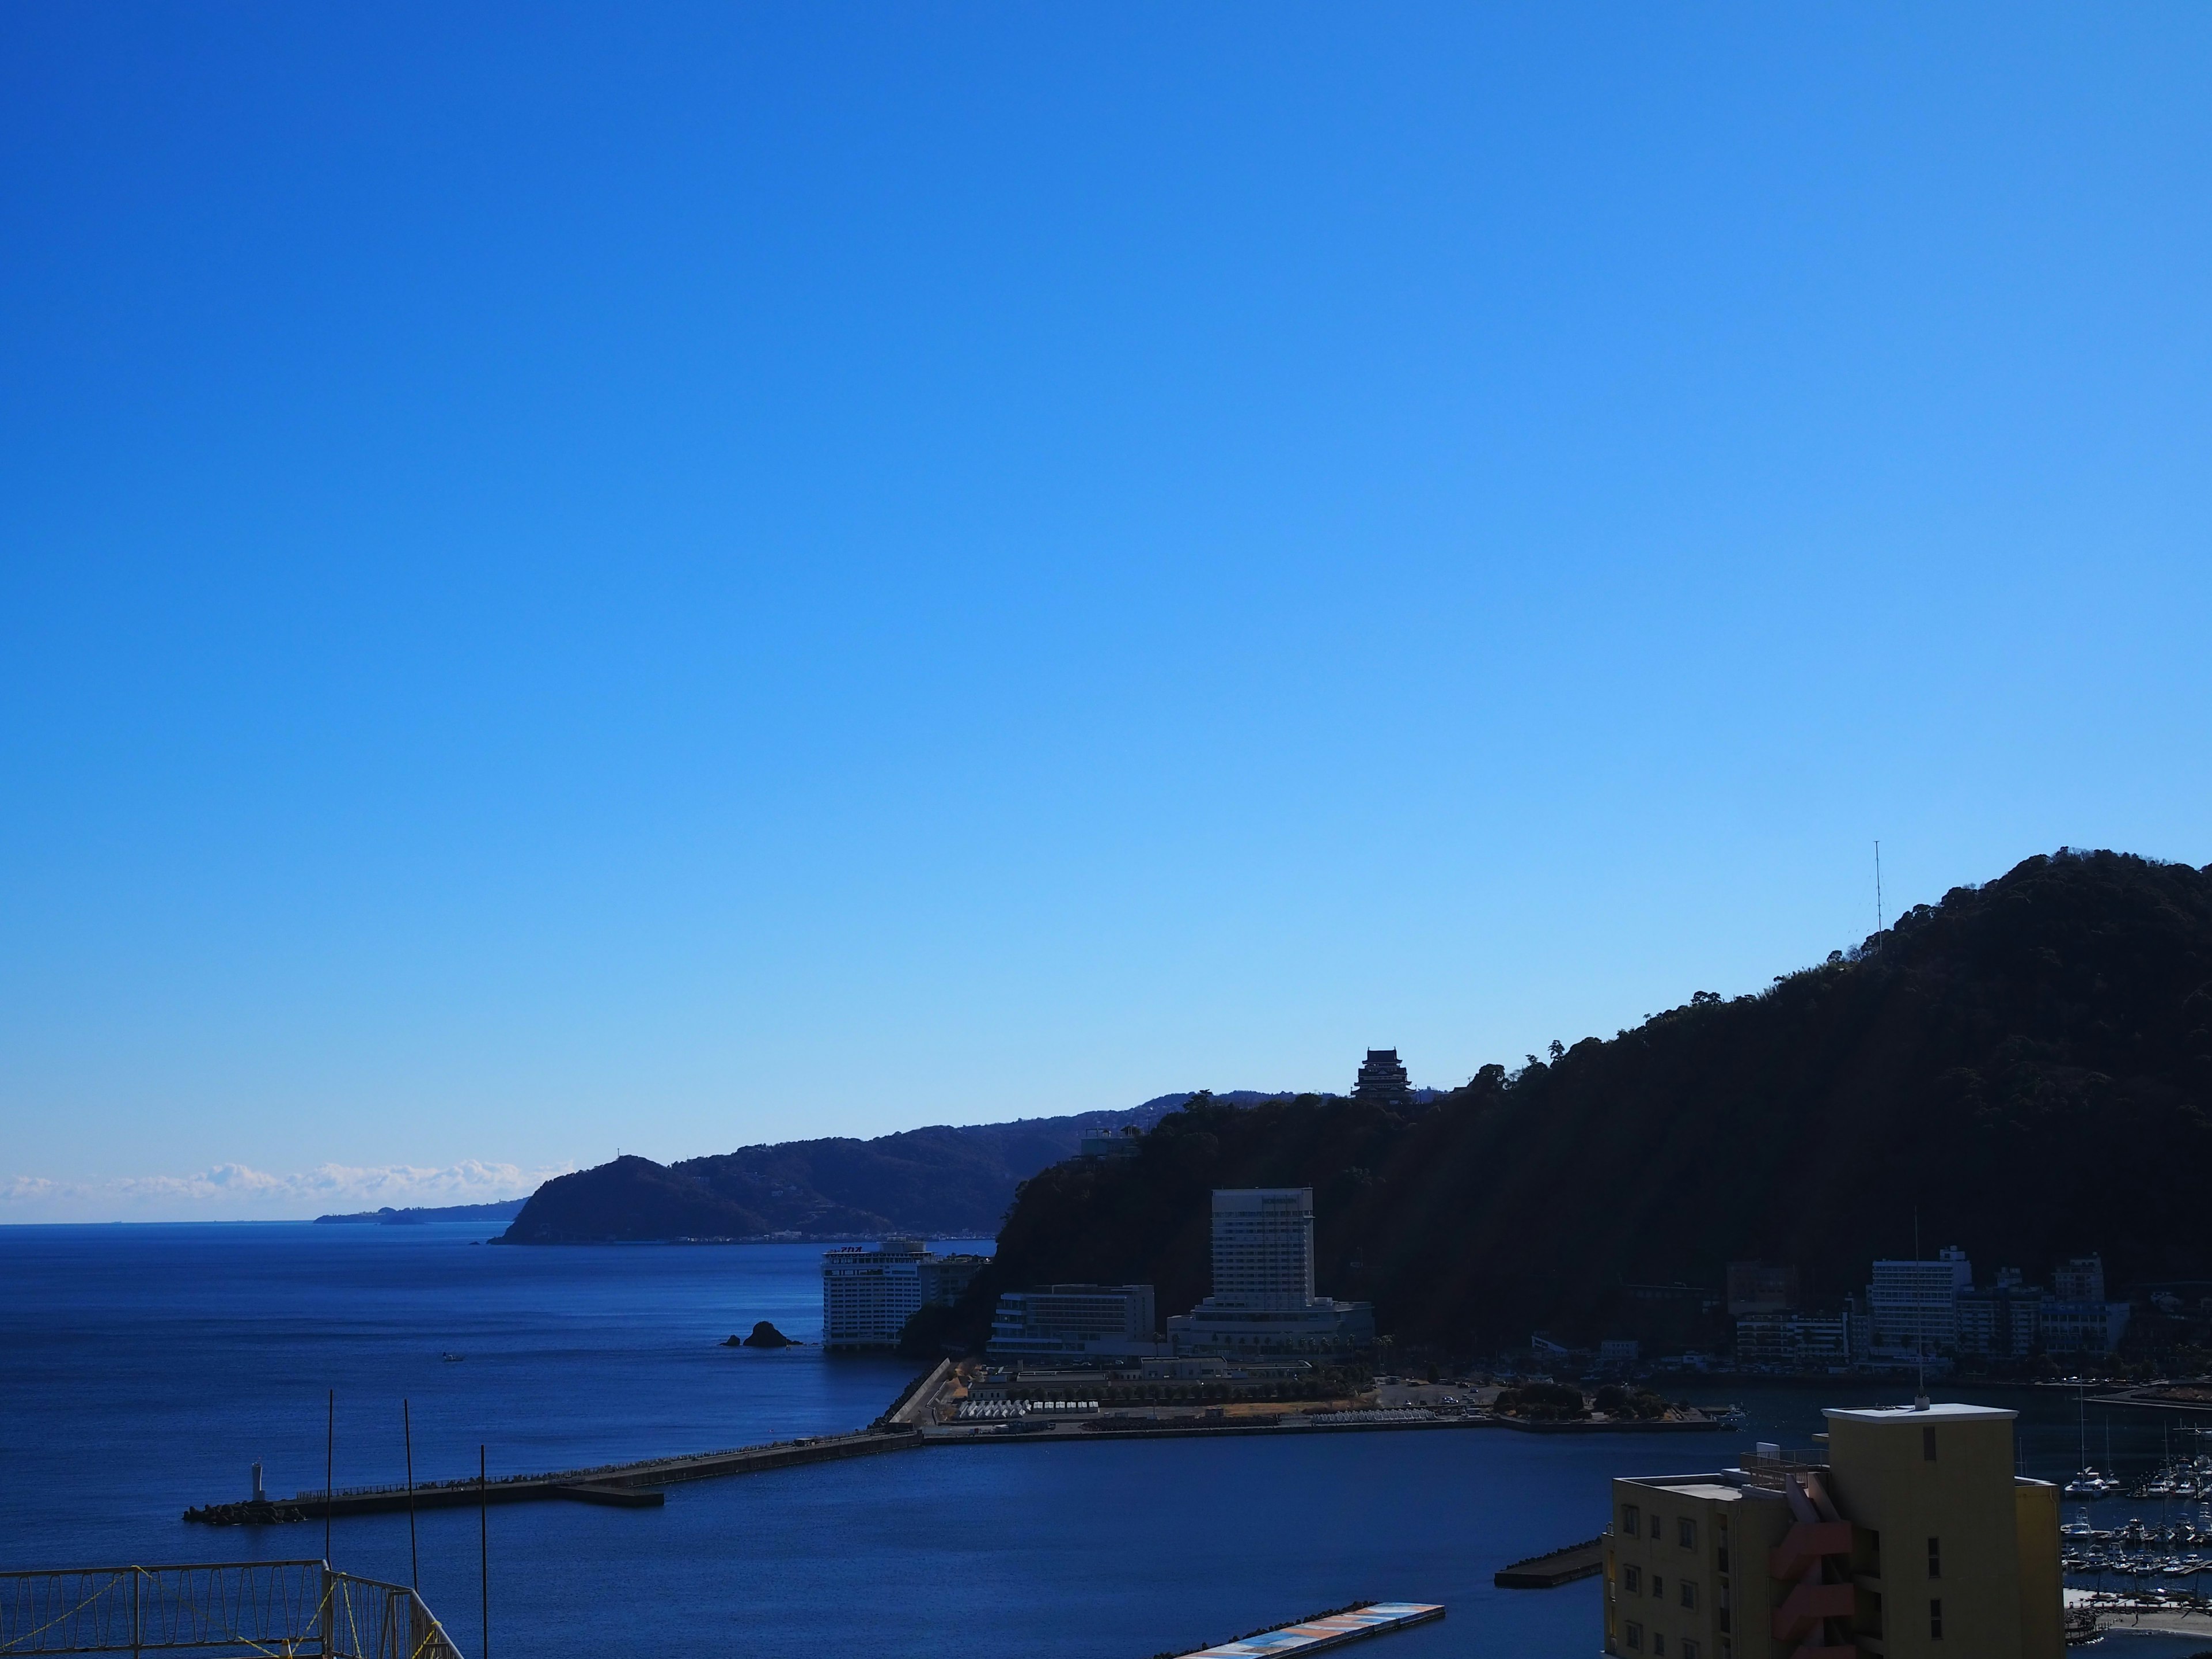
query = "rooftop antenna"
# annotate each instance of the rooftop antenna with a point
(483, 1550)
(1877, 887)
(330, 1468)
(1920, 1342)
(413, 1560)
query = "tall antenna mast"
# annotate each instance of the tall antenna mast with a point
(1920, 1322)
(1877, 905)
(413, 1560)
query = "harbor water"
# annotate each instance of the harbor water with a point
(145, 1369)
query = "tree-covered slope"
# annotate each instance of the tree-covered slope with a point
(2026, 1065)
(940, 1182)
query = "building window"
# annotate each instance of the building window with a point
(1927, 1445)
(1658, 1645)
(1658, 1587)
(1689, 1648)
(1634, 1636)
(1631, 1521)
(1936, 1621)
(1654, 1529)
(1689, 1594)
(1631, 1578)
(1686, 1533)
(1934, 1558)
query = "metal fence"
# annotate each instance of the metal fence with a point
(1772, 1470)
(220, 1611)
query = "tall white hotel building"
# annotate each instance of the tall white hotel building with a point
(1263, 1299)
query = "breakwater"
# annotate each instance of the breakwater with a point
(909, 1425)
(626, 1484)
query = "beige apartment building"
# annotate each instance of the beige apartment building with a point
(1907, 1536)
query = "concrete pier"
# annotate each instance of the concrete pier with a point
(1584, 1560)
(630, 1485)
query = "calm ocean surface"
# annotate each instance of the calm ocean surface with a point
(143, 1369)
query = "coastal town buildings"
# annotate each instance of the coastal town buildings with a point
(1906, 1535)
(2001, 1321)
(867, 1296)
(1076, 1323)
(1263, 1299)
(1928, 1311)
(1760, 1287)
(1800, 1342)
(2077, 1319)
(1919, 1310)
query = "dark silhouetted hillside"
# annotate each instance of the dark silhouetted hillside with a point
(2028, 1064)
(940, 1182)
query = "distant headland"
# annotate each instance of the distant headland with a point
(940, 1182)
(415, 1216)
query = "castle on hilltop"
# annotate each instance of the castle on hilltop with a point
(1381, 1080)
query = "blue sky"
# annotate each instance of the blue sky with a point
(578, 577)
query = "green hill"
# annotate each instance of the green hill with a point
(941, 1182)
(2026, 1065)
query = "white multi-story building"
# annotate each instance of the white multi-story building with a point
(867, 1296)
(1913, 1307)
(1075, 1322)
(1263, 1299)
(1263, 1247)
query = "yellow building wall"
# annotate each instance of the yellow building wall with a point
(1735, 1531)
(2042, 1601)
(1884, 1481)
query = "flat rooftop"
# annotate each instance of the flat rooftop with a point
(1932, 1413)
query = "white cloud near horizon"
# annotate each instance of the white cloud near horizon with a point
(238, 1191)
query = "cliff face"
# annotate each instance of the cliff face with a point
(2028, 1065)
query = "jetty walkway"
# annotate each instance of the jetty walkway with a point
(629, 1485)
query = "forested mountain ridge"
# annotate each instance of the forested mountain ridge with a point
(940, 1182)
(2026, 1065)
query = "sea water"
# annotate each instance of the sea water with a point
(143, 1369)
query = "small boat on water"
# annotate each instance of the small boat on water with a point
(452, 1358)
(2093, 1483)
